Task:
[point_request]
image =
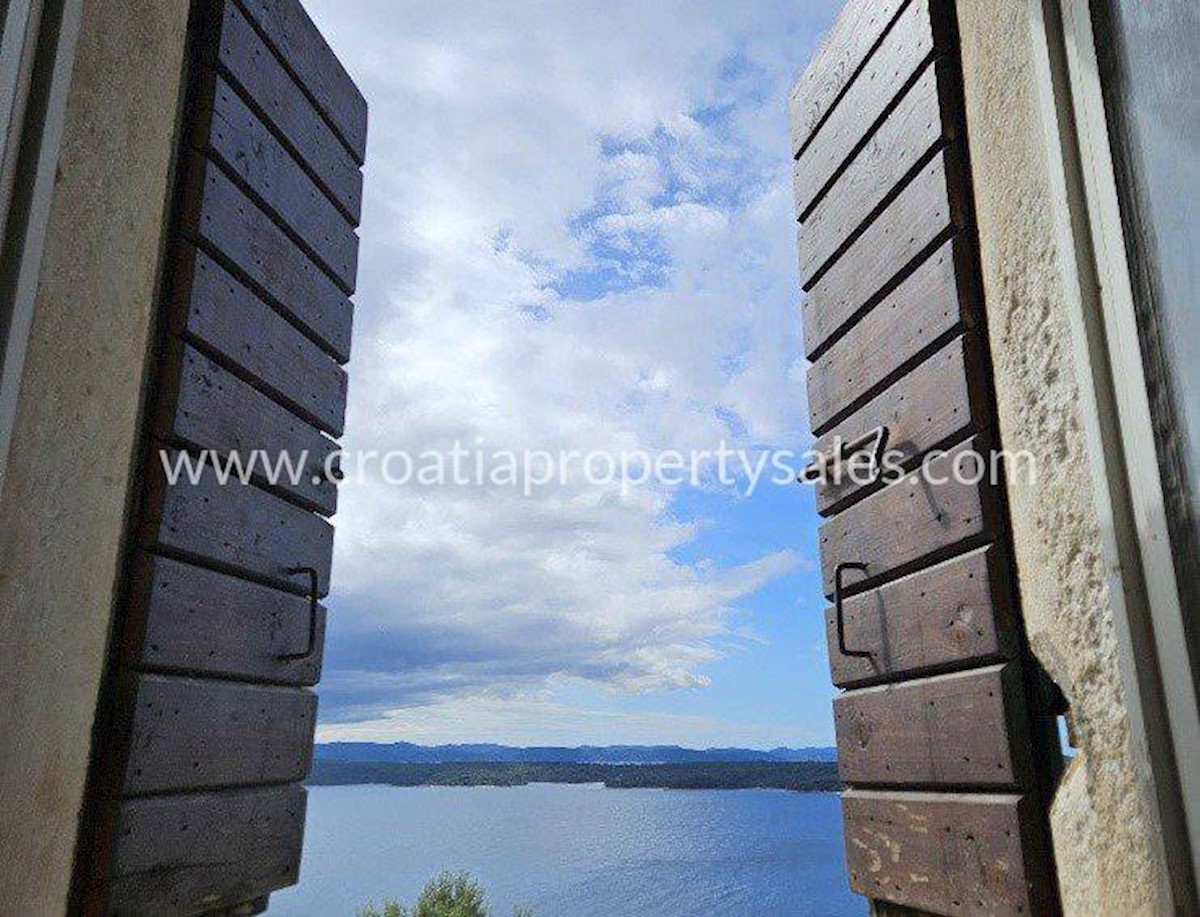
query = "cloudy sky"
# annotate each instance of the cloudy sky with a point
(578, 235)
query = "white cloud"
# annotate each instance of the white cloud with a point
(519, 153)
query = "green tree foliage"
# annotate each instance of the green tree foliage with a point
(449, 894)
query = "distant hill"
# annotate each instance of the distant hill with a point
(408, 753)
(800, 776)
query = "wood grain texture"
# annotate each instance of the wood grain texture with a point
(914, 38)
(227, 223)
(859, 27)
(213, 409)
(237, 527)
(225, 320)
(191, 734)
(201, 852)
(198, 621)
(932, 303)
(921, 121)
(948, 853)
(947, 730)
(943, 400)
(228, 131)
(245, 60)
(957, 613)
(913, 522)
(307, 56)
(931, 207)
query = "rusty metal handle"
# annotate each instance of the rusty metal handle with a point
(876, 438)
(837, 604)
(313, 588)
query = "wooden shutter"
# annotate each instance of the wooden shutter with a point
(943, 736)
(212, 728)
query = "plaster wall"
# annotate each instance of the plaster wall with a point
(1103, 819)
(66, 491)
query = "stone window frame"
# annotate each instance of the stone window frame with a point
(1130, 495)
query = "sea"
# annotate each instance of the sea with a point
(576, 850)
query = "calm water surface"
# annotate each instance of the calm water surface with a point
(576, 851)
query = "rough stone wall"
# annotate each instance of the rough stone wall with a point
(1103, 822)
(66, 490)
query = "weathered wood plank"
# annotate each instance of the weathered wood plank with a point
(307, 56)
(252, 68)
(198, 853)
(224, 319)
(201, 621)
(948, 853)
(191, 734)
(921, 120)
(928, 306)
(227, 130)
(914, 38)
(850, 40)
(956, 613)
(918, 520)
(238, 527)
(947, 730)
(213, 409)
(927, 211)
(941, 401)
(229, 223)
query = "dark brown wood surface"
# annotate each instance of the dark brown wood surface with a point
(231, 134)
(913, 522)
(919, 315)
(194, 801)
(193, 734)
(921, 120)
(908, 44)
(308, 57)
(954, 614)
(233, 228)
(844, 49)
(237, 527)
(215, 410)
(199, 621)
(946, 730)
(224, 319)
(947, 853)
(201, 852)
(940, 402)
(250, 65)
(925, 213)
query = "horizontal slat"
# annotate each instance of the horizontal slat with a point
(845, 47)
(234, 526)
(941, 401)
(929, 208)
(948, 730)
(218, 213)
(956, 613)
(907, 46)
(304, 51)
(947, 853)
(199, 853)
(201, 621)
(250, 65)
(226, 320)
(191, 734)
(913, 521)
(230, 132)
(933, 302)
(213, 409)
(921, 120)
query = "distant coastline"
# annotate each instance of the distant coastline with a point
(411, 753)
(797, 776)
